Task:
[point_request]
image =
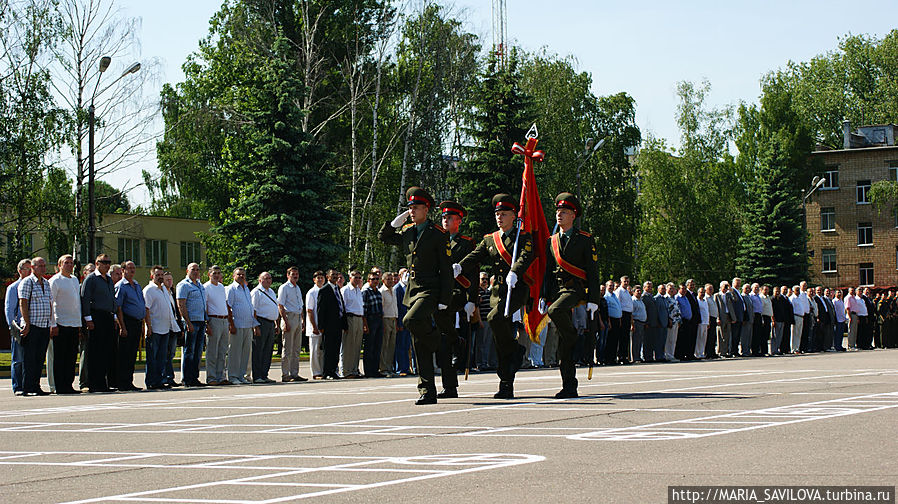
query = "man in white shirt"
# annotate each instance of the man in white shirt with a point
(243, 327)
(626, 320)
(266, 308)
(798, 311)
(290, 307)
(217, 329)
(160, 325)
(316, 348)
(391, 323)
(352, 337)
(66, 291)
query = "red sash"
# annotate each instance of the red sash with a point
(566, 266)
(464, 282)
(500, 246)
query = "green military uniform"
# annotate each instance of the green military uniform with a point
(571, 278)
(496, 257)
(427, 253)
(462, 291)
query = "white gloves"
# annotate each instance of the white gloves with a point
(511, 279)
(441, 306)
(400, 219)
(592, 308)
(456, 270)
(469, 309)
(543, 309)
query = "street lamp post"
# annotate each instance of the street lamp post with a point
(91, 172)
(816, 183)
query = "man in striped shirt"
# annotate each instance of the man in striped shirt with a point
(38, 324)
(372, 301)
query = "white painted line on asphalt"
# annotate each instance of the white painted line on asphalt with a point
(292, 475)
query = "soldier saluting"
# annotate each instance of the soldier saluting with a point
(496, 251)
(427, 253)
(464, 293)
(571, 279)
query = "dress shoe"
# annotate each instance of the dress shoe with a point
(157, 387)
(449, 393)
(505, 392)
(300, 378)
(375, 375)
(225, 383)
(175, 384)
(213, 383)
(567, 394)
(317, 377)
(259, 380)
(286, 379)
(268, 380)
(20, 392)
(426, 399)
(69, 391)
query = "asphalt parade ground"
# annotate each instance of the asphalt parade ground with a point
(822, 419)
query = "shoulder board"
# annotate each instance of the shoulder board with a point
(407, 226)
(439, 228)
(463, 237)
(488, 235)
(584, 233)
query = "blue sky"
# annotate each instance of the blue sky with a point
(642, 48)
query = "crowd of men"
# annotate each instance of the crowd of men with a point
(433, 313)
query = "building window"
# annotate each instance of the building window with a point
(829, 260)
(190, 253)
(129, 250)
(893, 171)
(831, 176)
(157, 252)
(27, 245)
(866, 273)
(864, 234)
(827, 219)
(863, 192)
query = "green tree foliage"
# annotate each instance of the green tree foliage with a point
(691, 201)
(858, 82)
(502, 114)
(568, 113)
(774, 147)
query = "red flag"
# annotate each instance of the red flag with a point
(534, 222)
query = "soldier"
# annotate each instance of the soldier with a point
(571, 279)
(426, 248)
(464, 292)
(496, 251)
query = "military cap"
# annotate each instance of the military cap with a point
(418, 196)
(569, 201)
(450, 207)
(505, 202)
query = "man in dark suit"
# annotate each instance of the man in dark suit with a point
(692, 333)
(331, 317)
(664, 323)
(427, 254)
(651, 323)
(736, 308)
(868, 327)
(748, 320)
(825, 318)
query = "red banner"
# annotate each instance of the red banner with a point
(534, 222)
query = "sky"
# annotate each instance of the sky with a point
(643, 48)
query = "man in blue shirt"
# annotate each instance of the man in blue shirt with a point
(131, 311)
(243, 327)
(615, 331)
(682, 350)
(14, 320)
(192, 305)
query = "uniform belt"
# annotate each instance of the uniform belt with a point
(265, 319)
(352, 315)
(219, 316)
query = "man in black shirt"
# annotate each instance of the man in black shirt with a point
(97, 308)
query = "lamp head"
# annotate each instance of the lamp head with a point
(104, 63)
(132, 69)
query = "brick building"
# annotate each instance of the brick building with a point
(851, 242)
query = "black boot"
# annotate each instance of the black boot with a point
(506, 391)
(448, 393)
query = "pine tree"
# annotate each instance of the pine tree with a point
(772, 245)
(501, 117)
(280, 218)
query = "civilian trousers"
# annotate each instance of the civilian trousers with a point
(735, 337)
(711, 338)
(700, 338)
(352, 346)
(777, 338)
(193, 352)
(65, 348)
(723, 338)
(485, 356)
(316, 354)
(292, 342)
(637, 339)
(611, 344)
(797, 331)
(35, 344)
(17, 362)
(157, 352)
(623, 341)
(263, 345)
(217, 350)
(670, 344)
(388, 348)
(168, 375)
(127, 352)
(372, 342)
(332, 337)
(239, 345)
(101, 347)
(839, 335)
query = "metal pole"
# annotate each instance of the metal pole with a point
(514, 259)
(92, 215)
